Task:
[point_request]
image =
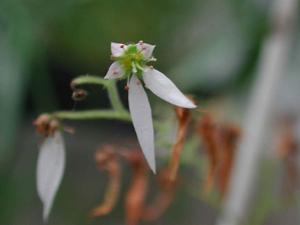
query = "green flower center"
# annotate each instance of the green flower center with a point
(132, 61)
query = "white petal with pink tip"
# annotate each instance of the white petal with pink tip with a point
(115, 71)
(145, 49)
(117, 49)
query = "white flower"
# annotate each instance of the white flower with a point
(50, 169)
(131, 63)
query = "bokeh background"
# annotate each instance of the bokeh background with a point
(209, 48)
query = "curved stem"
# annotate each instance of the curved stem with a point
(109, 84)
(114, 97)
(89, 79)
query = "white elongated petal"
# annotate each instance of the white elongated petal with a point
(117, 49)
(141, 115)
(50, 170)
(146, 49)
(164, 88)
(115, 71)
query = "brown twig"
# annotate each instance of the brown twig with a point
(183, 116)
(219, 143)
(136, 194)
(163, 199)
(228, 135)
(206, 129)
(107, 160)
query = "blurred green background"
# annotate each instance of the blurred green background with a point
(209, 48)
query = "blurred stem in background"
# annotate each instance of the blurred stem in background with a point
(19, 35)
(272, 65)
(16, 41)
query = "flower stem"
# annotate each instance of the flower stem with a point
(114, 97)
(93, 114)
(89, 79)
(109, 84)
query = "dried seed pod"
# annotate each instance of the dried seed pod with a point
(46, 125)
(106, 159)
(79, 94)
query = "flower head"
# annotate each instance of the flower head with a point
(131, 63)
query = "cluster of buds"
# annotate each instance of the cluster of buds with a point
(46, 125)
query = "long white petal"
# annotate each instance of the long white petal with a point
(117, 49)
(164, 88)
(146, 49)
(141, 115)
(50, 170)
(115, 71)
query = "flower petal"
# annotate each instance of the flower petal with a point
(146, 49)
(164, 88)
(115, 71)
(117, 49)
(50, 169)
(140, 111)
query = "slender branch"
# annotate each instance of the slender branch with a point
(114, 97)
(93, 114)
(90, 79)
(118, 112)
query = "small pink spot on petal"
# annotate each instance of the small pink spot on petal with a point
(122, 46)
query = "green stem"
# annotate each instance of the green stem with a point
(89, 79)
(109, 84)
(93, 114)
(114, 97)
